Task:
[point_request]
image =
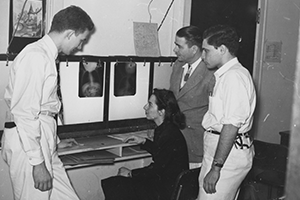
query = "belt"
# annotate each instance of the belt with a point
(48, 113)
(214, 132)
(218, 133)
(12, 124)
(9, 125)
(238, 142)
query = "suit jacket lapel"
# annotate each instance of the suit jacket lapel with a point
(193, 80)
(177, 79)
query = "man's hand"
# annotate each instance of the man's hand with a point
(123, 171)
(211, 179)
(67, 143)
(41, 177)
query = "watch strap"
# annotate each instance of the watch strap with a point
(217, 164)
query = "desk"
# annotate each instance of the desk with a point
(104, 149)
(100, 157)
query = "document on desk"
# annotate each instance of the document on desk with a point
(123, 136)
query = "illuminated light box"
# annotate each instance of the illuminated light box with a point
(82, 89)
(129, 86)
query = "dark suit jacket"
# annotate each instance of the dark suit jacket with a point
(157, 180)
(193, 102)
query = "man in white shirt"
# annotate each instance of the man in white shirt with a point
(228, 150)
(29, 142)
(191, 83)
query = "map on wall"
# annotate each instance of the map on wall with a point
(146, 39)
(28, 18)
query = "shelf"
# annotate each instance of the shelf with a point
(105, 149)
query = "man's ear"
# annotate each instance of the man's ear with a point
(161, 112)
(223, 49)
(195, 48)
(69, 33)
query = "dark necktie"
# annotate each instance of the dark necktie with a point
(59, 94)
(187, 75)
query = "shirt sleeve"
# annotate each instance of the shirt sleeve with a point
(236, 102)
(26, 101)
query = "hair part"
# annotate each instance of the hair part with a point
(166, 100)
(192, 35)
(73, 18)
(223, 35)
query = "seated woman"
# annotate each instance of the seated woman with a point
(168, 150)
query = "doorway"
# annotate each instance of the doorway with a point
(241, 14)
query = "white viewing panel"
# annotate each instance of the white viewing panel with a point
(78, 109)
(129, 106)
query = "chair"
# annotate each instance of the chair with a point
(269, 165)
(187, 185)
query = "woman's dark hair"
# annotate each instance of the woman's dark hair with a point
(165, 99)
(223, 35)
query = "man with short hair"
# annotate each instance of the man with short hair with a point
(29, 142)
(191, 83)
(228, 150)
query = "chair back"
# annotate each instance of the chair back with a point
(270, 162)
(187, 185)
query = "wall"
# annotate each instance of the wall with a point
(275, 80)
(114, 23)
(4, 5)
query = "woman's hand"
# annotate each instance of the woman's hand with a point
(123, 171)
(135, 140)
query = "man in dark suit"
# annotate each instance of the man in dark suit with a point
(191, 83)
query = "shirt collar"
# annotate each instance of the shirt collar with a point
(51, 45)
(193, 65)
(223, 69)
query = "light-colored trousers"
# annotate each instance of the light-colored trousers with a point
(21, 171)
(235, 169)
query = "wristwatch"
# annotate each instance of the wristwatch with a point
(215, 163)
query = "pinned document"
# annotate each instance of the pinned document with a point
(146, 39)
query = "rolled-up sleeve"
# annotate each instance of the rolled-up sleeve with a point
(236, 104)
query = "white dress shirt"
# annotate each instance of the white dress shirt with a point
(186, 68)
(233, 99)
(32, 88)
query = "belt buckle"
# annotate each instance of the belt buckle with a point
(49, 113)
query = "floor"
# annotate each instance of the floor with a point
(258, 191)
